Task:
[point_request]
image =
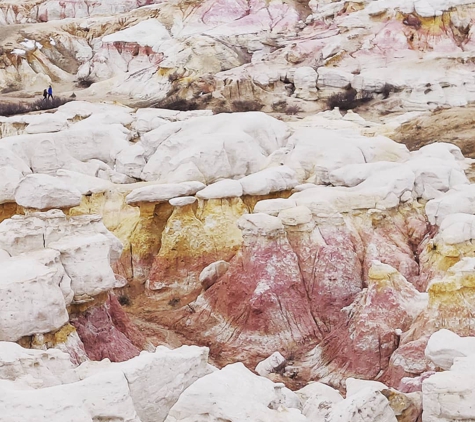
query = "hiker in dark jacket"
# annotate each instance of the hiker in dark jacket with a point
(50, 92)
(45, 94)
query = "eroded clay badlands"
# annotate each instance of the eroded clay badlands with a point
(199, 235)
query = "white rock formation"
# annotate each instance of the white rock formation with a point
(156, 380)
(208, 149)
(317, 400)
(31, 300)
(269, 365)
(366, 405)
(234, 393)
(449, 396)
(444, 347)
(162, 193)
(43, 192)
(35, 368)
(50, 260)
(274, 179)
(86, 259)
(305, 81)
(354, 386)
(222, 189)
(274, 206)
(100, 396)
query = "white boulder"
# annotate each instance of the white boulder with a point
(333, 78)
(273, 179)
(305, 81)
(31, 300)
(156, 380)
(222, 189)
(450, 396)
(36, 368)
(368, 405)
(445, 346)
(161, 193)
(236, 394)
(274, 206)
(269, 365)
(456, 228)
(99, 397)
(86, 259)
(42, 192)
(317, 400)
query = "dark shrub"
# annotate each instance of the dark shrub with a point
(11, 109)
(85, 82)
(174, 302)
(292, 110)
(124, 300)
(349, 99)
(386, 90)
(246, 105)
(180, 104)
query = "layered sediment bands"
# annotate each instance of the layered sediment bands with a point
(363, 344)
(106, 332)
(394, 237)
(329, 256)
(142, 239)
(450, 303)
(8, 210)
(260, 303)
(408, 361)
(193, 238)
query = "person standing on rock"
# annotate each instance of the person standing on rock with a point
(45, 94)
(50, 92)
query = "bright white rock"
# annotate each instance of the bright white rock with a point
(444, 347)
(273, 179)
(97, 397)
(42, 192)
(156, 380)
(269, 365)
(161, 193)
(368, 405)
(23, 281)
(222, 189)
(234, 393)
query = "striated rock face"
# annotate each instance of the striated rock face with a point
(261, 299)
(334, 252)
(107, 332)
(61, 267)
(364, 342)
(449, 303)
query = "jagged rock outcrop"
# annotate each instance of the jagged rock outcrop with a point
(366, 339)
(132, 391)
(61, 267)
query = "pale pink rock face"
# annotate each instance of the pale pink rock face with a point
(62, 9)
(411, 385)
(106, 332)
(408, 361)
(120, 57)
(336, 276)
(241, 16)
(394, 240)
(362, 345)
(260, 305)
